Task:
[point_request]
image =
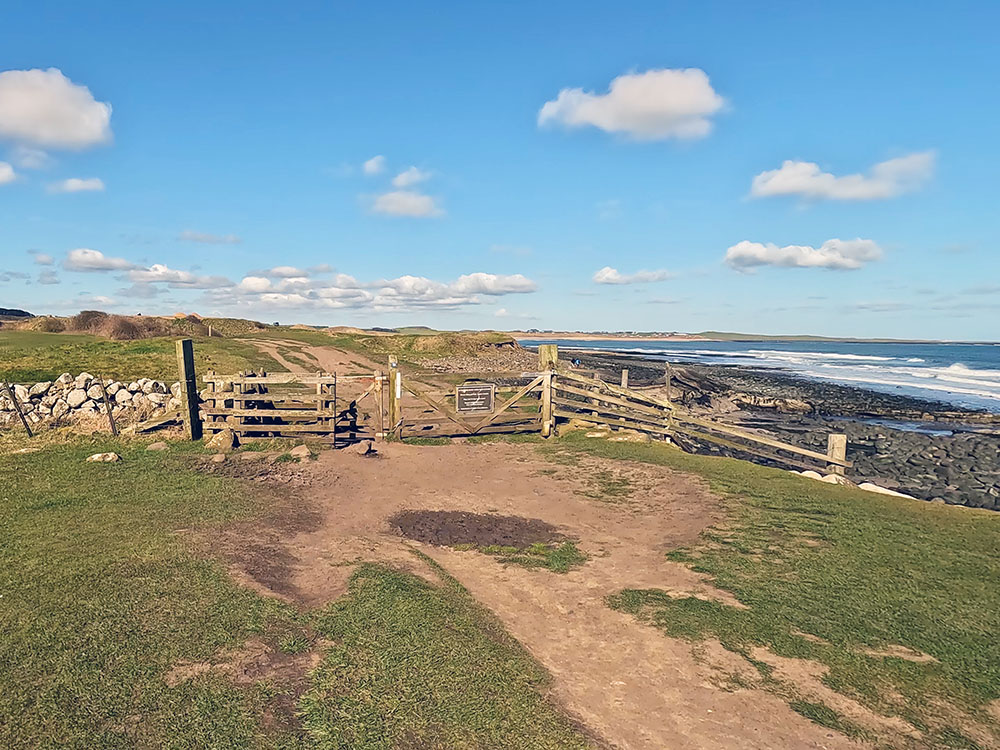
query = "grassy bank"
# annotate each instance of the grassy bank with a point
(856, 573)
(30, 356)
(101, 598)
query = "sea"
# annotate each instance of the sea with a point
(962, 374)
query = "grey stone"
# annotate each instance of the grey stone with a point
(123, 396)
(64, 379)
(95, 392)
(362, 448)
(83, 380)
(157, 399)
(76, 398)
(21, 393)
(104, 458)
(223, 441)
(218, 458)
(157, 446)
(59, 408)
(134, 387)
(40, 389)
(300, 451)
(113, 388)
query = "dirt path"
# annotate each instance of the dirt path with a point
(326, 358)
(626, 681)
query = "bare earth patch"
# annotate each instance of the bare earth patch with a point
(627, 683)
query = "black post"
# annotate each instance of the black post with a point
(189, 389)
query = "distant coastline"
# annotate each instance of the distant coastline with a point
(721, 336)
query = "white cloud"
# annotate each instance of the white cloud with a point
(406, 203)
(409, 177)
(886, 179)
(48, 277)
(85, 259)
(77, 185)
(609, 275)
(189, 235)
(161, 274)
(836, 254)
(41, 259)
(344, 291)
(45, 108)
(286, 272)
(654, 105)
(6, 173)
(29, 158)
(375, 165)
(492, 284)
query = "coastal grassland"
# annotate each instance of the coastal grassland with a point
(32, 356)
(103, 593)
(420, 665)
(856, 573)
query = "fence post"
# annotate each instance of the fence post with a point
(836, 448)
(625, 378)
(17, 408)
(547, 404)
(189, 389)
(395, 393)
(548, 357)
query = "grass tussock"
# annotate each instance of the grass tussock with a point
(856, 571)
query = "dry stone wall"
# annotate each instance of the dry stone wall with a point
(68, 398)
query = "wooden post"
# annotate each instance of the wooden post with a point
(547, 405)
(107, 407)
(395, 392)
(548, 356)
(380, 398)
(189, 389)
(836, 448)
(625, 378)
(17, 408)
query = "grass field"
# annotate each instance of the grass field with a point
(100, 596)
(852, 570)
(30, 356)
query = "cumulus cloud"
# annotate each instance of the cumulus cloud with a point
(654, 105)
(835, 254)
(7, 173)
(44, 108)
(162, 274)
(77, 185)
(344, 291)
(41, 259)
(609, 275)
(85, 259)
(375, 165)
(886, 179)
(410, 177)
(189, 235)
(48, 277)
(13, 275)
(406, 203)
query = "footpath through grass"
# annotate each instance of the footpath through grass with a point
(855, 570)
(101, 594)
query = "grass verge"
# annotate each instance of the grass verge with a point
(856, 572)
(559, 558)
(425, 666)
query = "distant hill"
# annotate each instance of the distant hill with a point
(13, 313)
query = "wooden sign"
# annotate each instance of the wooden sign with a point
(475, 397)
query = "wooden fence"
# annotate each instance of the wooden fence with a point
(352, 407)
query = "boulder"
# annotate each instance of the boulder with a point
(76, 398)
(175, 390)
(629, 436)
(40, 389)
(104, 458)
(59, 408)
(113, 387)
(83, 380)
(223, 441)
(301, 451)
(157, 446)
(870, 487)
(134, 387)
(218, 458)
(21, 393)
(123, 396)
(95, 392)
(361, 448)
(811, 474)
(837, 479)
(157, 399)
(64, 379)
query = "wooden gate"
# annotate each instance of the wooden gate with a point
(506, 403)
(326, 405)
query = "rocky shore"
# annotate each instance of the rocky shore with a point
(926, 449)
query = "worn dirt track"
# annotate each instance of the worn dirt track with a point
(631, 686)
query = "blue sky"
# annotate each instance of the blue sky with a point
(799, 169)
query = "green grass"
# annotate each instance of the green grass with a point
(427, 440)
(29, 356)
(100, 597)
(422, 666)
(858, 570)
(559, 558)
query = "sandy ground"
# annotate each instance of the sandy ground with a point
(624, 680)
(327, 358)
